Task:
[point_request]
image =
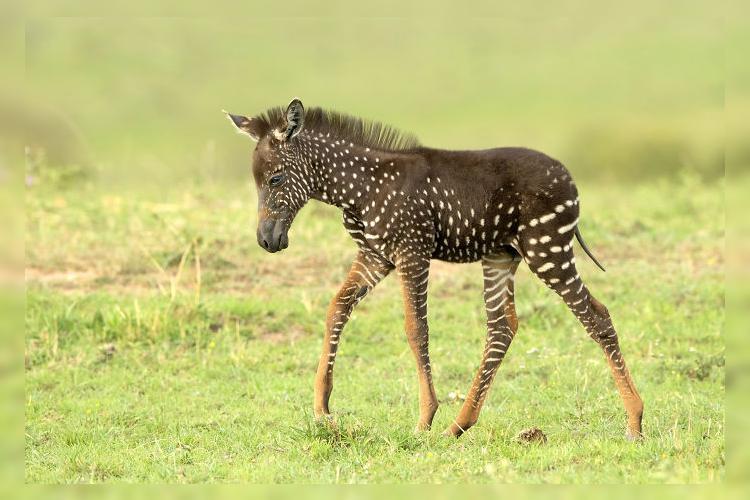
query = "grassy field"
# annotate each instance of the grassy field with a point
(163, 345)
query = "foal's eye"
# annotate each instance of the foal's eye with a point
(275, 180)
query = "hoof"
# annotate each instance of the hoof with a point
(454, 431)
(325, 419)
(420, 428)
(634, 436)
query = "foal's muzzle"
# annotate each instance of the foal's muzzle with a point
(272, 234)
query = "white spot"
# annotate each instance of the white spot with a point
(565, 229)
(545, 218)
(545, 267)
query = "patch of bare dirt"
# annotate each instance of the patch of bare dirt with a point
(286, 336)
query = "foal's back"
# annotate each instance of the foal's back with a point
(482, 199)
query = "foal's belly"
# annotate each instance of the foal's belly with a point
(465, 232)
(471, 252)
(456, 257)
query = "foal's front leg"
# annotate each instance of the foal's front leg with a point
(367, 271)
(414, 275)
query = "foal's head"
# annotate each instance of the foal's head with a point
(282, 175)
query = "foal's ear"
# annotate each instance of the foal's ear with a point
(252, 127)
(293, 121)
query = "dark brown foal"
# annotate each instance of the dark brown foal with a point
(404, 205)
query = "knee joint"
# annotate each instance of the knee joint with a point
(360, 294)
(351, 296)
(599, 308)
(601, 336)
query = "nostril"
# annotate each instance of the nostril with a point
(265, 244)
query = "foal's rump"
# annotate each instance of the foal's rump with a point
(484, 200)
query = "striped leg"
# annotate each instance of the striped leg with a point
(554, 264)
(367, 271)
(414, 275)
(502, 324)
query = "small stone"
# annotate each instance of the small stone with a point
(107, 351)
(531, 435)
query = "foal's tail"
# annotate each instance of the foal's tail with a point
(586, 249)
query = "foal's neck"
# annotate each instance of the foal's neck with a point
(353, 177)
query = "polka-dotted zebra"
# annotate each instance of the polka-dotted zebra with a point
(404, 205)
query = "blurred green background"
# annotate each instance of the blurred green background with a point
(617, 92)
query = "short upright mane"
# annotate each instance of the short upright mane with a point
(351, 128)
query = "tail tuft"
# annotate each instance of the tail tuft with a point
(586, 249)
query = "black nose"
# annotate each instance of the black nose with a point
(272, 235)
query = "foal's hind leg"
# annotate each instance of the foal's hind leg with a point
(550, 256)
(501, 328)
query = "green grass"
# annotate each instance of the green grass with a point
(162, 345)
